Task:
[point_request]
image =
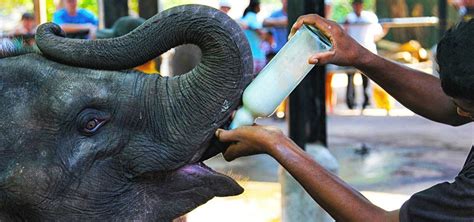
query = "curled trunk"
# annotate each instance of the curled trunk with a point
(196, 103)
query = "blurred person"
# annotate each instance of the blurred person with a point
(364, 27)
(278, 24)
(253, 31)
(26, 30)
(27, 25)
(225, 6)
(448, 100)
(465, 9)
(75, 20)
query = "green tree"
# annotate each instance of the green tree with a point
(9, 6)
(343, 7)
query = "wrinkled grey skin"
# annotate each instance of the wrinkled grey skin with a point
(86, 144)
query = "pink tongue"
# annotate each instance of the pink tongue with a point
(219, 184)
(197, 168)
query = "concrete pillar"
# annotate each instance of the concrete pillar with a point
(297, 205)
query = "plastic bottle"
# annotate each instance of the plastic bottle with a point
(281, 76)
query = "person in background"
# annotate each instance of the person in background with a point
(364, 27)
(27, 25)
(253, 31)
(465, 9)
(75, 20)
(225, 6)
(448, 99)
(25, 31)
(278, 24)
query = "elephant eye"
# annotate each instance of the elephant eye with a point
(91, 120)
(93, 125)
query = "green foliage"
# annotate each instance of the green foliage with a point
(50, 9)
(133, 6)
(90, 5)
(171, 3)
(343, 7)
(9, 6)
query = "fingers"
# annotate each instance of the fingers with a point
(234, 151)
(311, 19)
(299, 22)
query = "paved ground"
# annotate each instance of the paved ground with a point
(405, 153)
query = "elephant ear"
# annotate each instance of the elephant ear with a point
(199, 101)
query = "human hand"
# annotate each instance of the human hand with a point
(249, 140)
(345, 52)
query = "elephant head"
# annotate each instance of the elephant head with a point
(84, 138)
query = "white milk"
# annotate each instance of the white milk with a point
(281, 76)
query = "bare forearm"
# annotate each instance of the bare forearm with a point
(418, 91)
(333, 194)
(275, 22)
(75, 27)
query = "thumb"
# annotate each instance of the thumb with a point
(321, 58)
(226, 135)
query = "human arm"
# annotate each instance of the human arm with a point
(418, 91)
(340, 200)
(251, 22)
(275, 22)
(72, 28)
(84, 21)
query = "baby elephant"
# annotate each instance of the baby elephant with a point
(85, 138)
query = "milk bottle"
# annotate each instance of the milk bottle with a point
(281, 76)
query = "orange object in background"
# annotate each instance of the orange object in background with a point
(330, 97)
(381, 98)
(148, 68)
(280, 112)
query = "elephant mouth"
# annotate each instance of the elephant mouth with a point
(220, 184)
(209, 182)
(188, 187)
(194, 179)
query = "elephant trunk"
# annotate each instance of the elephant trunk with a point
(199, 101)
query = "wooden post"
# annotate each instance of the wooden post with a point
(40, 11)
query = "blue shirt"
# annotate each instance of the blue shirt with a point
(280, 34)
(250, 19)
(82, 17)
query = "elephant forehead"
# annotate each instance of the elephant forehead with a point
(71, 88)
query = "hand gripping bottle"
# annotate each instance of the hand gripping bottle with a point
(281, 76)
